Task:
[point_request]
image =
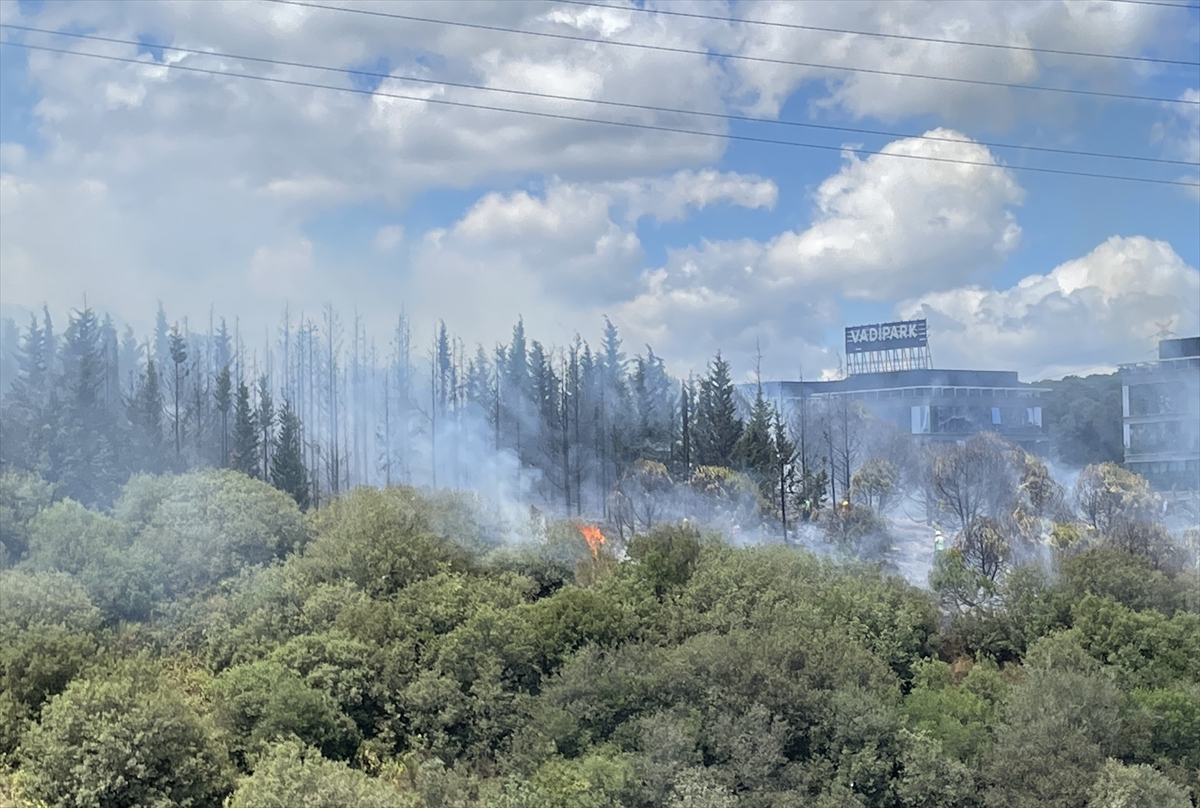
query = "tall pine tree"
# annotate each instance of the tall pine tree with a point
(178, 353)
(288, 472)
(785, 468)
(84, 453)
(145, 410)
(244, 456)
(756, 449)
(222, 394)
(718, 427)
(265, 420)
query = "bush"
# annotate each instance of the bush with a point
(875, 484)
(666, 556)
(41, 599)
(262, 702)
(126, 738)
(209, 525)
(857, 529)
(123, 581)
(22, 497)
(1108, 495)
(47, 628)
(380, 540)
(291, 774)
(1121, 786)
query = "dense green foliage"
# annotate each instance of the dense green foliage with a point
(1083, 418)
(205, 644)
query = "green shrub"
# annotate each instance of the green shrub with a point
(121, 739)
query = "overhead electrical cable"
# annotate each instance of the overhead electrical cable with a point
(874, 34)
(732, 56)
(600, 102)
(1161, 3)
(583, 119)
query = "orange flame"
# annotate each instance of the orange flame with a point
(593, 537)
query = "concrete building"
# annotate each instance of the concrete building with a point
(890, 372)
(1161, 404)
(935, 405)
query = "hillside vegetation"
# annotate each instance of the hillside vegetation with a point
(204, 643)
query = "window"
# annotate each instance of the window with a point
(920, 420)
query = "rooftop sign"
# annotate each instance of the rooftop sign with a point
(886, 336)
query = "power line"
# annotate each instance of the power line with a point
(1162, 3)
(599, 102)
(875, 34)
(732, 56)
(583, 119)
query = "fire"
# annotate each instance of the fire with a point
(593, 537)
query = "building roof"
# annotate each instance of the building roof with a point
(931, 377)
(1178, 348)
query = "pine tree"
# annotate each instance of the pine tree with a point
(446, 377)
(145, 411)
(265, 420)
(162, 338)
(517, 365)
(110, 358)
(244, 457)
(686, 429)
(755, 447)
(655, 409)
(84, 452)
(222, 355)
(717, 424)
(222, 394)
(30, 406)
(178, 353)
(128, 361)
(288, 472)
(785, 468)
(480, 389)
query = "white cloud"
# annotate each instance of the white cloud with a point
(388, 237)
(671, 198)
(889, 225)
(1101, 309)
(1179, 135)
(1097, 27)
(278, 272)
(885, 227)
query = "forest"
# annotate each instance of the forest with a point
(557, 578)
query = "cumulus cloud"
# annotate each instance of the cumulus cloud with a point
(1101, 309)
(884, 227)
(388, 237)
(672, 198)
(278, 271)
(1179, 134)
(889, 224)
(1094, 27)
(561, 257)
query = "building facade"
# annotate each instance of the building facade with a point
(934, 405)
(890, 372)
(1161, 408)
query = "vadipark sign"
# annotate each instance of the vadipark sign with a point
(886, 336)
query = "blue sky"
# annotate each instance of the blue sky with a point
(136, 183)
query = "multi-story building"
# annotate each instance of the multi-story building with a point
(890, 373)
(1161, 403)
(936, 405)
